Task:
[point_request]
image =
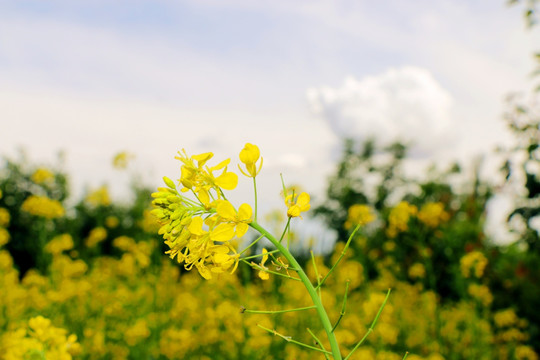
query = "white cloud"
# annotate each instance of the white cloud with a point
(405, 104)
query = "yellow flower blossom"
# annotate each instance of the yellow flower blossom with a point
(99, 197)
(42, 175)
(417, 271)
(480, 293)
(43, 206)
(358, 214)
(297, 204)
(249, 155)
(263, 274)
(121, 160)
(433, 214)
(4, 217)
(112, 222)
(4, 236)
(241, 218)
(41, 339)
(398, 219)
(473, 263)
(96, 236)
(59, 243)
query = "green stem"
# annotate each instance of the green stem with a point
(370, 330)
(291, 340)
(255, 190)
(318, 342)
(250, 245)
(340, 257)
(259, 255)
(247, 311)
(309, 287)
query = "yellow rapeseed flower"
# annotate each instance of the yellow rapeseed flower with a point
(398, 219)
(96, 236)
(121, 159)
(297, 204)
(241, 218)
(4, 236)
(263, 274)
(4, 217)
(99, 197)
(358, 214)
(59, 243)
(42, 175)
(473, 263)
(43, 206)
(433, 214)
(249, 155)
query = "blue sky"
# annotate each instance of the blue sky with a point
(152, 77)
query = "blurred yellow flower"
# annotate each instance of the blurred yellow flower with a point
(121, 159)
(433, 214)
(398, 219)
(473, 263)
(96, 236)
(4, 217)
(99, 197)
(111, 222)
(43, 206)
(417, 271)
(42, 175)
(4, 236)
(359, 214)
(59, 243)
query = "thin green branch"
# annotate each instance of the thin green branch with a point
(405, 356)
(343, 306)
(316, 274)
(259, 267)
(285, 231)
(250, 245)
(370, 330)
(255, 190)
(291, 340)
(260, 255)
(341, 256)
(247, 311)
(318, 342)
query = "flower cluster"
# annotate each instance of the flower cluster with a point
(358, 214)
(43, 206)
(40, 341)
(199, 232)
(473, 263)
(398, 219)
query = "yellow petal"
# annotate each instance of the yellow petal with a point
(227, 180)
(223, 232)
(265, 257)
(226, 210)
(221, 258)
(221, 165)
(196, 226)
(241, 229)
(202, 158)
(244, 212)
(294, 211)
(263, 275)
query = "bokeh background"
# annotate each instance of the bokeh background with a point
(416, 119)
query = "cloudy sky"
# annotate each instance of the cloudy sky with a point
(151, 77)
